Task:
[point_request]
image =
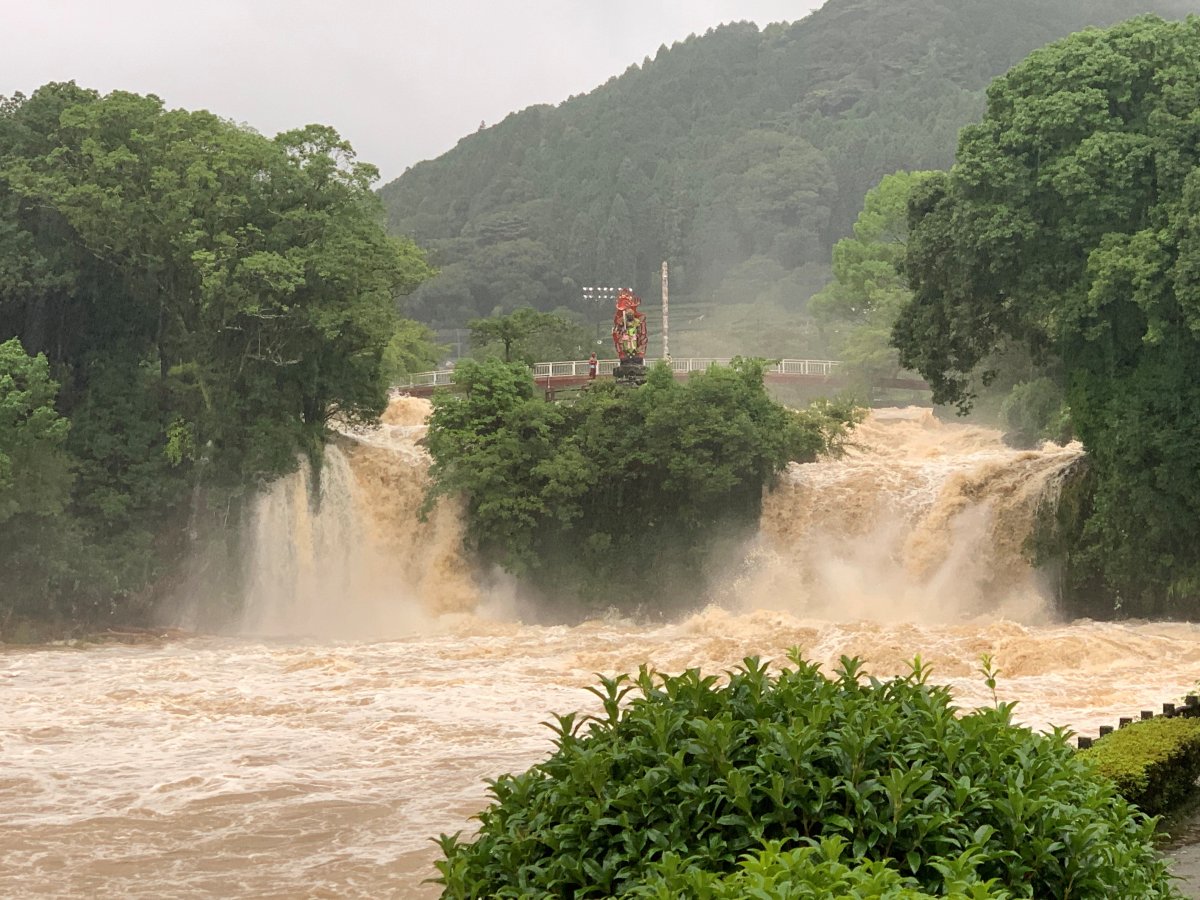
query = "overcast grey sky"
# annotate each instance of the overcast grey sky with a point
(402, 80)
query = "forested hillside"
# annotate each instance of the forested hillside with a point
(741, 156)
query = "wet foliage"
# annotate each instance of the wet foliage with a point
(203, 300)
(1070, 226)
(631, 490)
(1154, 764)
(792, 784)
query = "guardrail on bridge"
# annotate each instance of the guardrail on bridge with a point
(578, 368)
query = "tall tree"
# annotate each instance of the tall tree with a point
(869, 288)
(1071, 223)
(209, 298)
(529, 336)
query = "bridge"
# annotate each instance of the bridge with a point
(573, 374)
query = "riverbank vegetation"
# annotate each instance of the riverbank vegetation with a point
(625, 497)
(184, 305)
(857, 312)
(785, 785)
(1069, 226)
(1154, 764)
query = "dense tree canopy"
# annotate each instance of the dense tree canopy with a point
(737, 151)
(206, 297)
(621, 497)
(1070, 225)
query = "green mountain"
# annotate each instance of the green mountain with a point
(740, 156)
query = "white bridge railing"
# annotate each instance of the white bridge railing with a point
(576, 368)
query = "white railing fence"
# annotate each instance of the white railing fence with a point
(576, 368)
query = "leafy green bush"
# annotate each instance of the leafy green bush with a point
(1154, 764)
(680, 777)
(810, 873)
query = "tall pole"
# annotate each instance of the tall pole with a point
(666, 319)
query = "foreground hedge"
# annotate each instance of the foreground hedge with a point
(1154, 764)
(807, 873)
(682, 777)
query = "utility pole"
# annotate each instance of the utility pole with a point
(666, 320)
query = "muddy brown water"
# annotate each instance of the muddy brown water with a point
(372, 681)
(229, 767)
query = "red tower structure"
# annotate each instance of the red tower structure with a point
(630, 336)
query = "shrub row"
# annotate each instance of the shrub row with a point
(1154, 763)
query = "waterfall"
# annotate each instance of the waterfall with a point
(350, 557)
(920, 521)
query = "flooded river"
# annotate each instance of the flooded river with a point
(223, 767)
(372, 682)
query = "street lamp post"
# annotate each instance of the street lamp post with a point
(602, 294)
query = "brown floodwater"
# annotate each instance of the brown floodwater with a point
(372, 681)
(223, 767)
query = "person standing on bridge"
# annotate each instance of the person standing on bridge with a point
(593, 365)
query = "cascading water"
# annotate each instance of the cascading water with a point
(921, 521)
(350, 557)
(303, 556)
(366, 697)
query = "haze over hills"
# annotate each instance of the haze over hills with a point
(740, 156)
